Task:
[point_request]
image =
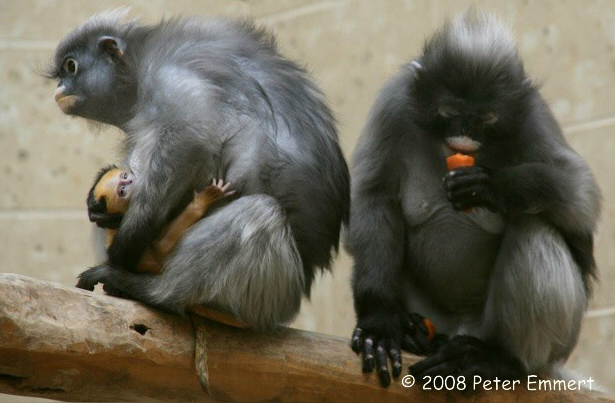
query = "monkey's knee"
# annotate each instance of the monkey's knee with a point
(242, 259)
(267, 268)
(537, 296)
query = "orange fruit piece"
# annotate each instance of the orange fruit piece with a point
(459, 161)
(431, 328)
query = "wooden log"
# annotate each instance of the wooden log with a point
(67, 344)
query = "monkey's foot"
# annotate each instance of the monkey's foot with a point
(218, 316)
(468, 356)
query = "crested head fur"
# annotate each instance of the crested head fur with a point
(472, 62)
(481, 36)
(474, 47)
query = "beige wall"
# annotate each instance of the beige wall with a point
(351, 46)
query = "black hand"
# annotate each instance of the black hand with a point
(89, 278)
(381, 336)
(417, 336)
(101, 274)
(378, 338)
(472, 187)
(468, 356)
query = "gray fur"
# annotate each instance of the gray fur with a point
(253, 269)
(536, 291)
(215, 99)
(521, 279)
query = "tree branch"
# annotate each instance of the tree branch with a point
(64, 343)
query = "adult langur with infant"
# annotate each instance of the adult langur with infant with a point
(200, 100)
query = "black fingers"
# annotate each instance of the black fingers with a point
(464, 177)
(395, 355)
(368, 355)
(85, 283)
(376, 352)
(476, 196)
(381, 362)
(100, 274)
(89, 278)
(470, 187)
(416, 336)
(357, 340)
(418, 321)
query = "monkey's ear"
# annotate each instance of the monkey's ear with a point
(418, 68)
(114, 47)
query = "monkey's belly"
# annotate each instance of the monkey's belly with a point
(450, 257)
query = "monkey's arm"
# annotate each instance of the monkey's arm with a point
(199, 205)
(565, 193)
(162, 185)
(376, 237)
(376, 241)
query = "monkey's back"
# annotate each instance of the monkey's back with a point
(250, 116)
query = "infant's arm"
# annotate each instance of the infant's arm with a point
(199, 205)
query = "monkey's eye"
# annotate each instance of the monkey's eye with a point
(489, 118)
(70, 66)
(122, 191)
(447, 111)
(125, 175)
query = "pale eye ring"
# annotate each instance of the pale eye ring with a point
(447, 111)
(71, 66)
(489, 118)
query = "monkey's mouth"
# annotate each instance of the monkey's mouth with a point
(66, 102)
(462, 144)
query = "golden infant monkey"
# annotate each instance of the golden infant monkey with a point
(111, 193)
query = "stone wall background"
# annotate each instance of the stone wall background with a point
(351, 47)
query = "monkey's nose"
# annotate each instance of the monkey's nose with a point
(59, 93)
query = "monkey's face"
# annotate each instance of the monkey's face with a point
(462, 127)
(116, 188)
(468, 113)
(89, 73)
